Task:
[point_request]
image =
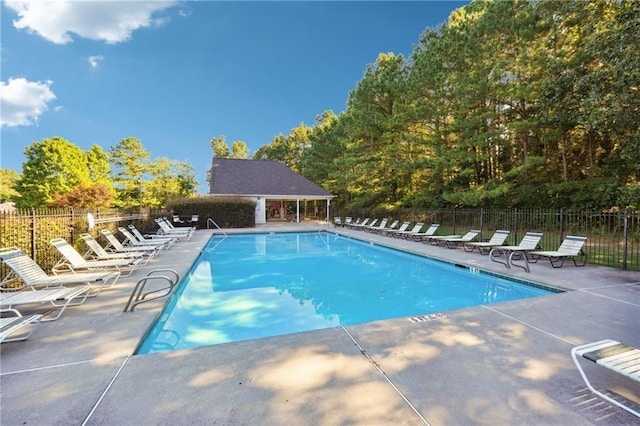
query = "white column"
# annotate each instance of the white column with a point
(297, 210)
(328, 205)
(261, 210)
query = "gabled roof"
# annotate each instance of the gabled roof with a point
(261, 178)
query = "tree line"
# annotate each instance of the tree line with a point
(508, 104)
(57, 173)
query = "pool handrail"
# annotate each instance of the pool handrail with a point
(216, 225)
(137, 296)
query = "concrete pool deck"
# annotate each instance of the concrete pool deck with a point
(501, 364)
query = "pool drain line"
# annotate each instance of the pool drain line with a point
(375, 364)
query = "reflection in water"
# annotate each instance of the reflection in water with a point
(251, 286)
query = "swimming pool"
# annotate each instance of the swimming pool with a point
(257, 285)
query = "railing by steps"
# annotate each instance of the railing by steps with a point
(168, 280)
(209, 220)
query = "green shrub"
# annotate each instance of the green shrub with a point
(226, 212)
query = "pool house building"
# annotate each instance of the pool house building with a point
(280, 193)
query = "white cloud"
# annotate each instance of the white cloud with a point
(108, 21)
(23, 101)
(94, 61)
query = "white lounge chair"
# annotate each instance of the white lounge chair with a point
(375, 227)
(454, 241)
(430, 232)
(115, 245)
(13, 325)
(413, 231)
(390, 231)
(365, 224)
(359, 223)
(194, 218)
(37, 287)
(615, 356)
(382, 228)
(58, 297)
(484, 247)
(571, 248)
(150, 237)
(73, 261)
(97, 252)
(132, 241)
(26, 269)
(530, 242)
(166, 229)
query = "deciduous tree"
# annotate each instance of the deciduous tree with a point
(8, 180)
(219, 147)
(53, 166)
(141, 181)
(168, 179)
(84, 196)
(239, 150)
(288, 149)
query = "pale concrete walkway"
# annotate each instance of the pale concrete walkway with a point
(507, 363)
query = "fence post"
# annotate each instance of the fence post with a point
(625, 238)
(72, 230)
(561, 226)
(515, 225)
(33, 234)
(454, 220)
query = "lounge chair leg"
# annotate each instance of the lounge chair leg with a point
(526, 261)
(596, 392)
(557, 262)
(498, 252)
(582, 256)
(62, 307)
(18, 326)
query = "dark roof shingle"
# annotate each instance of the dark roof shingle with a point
(260, 177)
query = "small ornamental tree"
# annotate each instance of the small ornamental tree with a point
(84, 196)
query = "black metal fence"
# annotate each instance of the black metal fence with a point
(613, 238)
(31, 230)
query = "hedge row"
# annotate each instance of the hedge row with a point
(225, 212)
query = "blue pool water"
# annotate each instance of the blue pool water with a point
(250, 286)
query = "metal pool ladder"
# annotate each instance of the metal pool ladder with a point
(209, 220)
(168, 280)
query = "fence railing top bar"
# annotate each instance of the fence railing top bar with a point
(118, 218)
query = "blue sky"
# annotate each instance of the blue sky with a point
(175, 74)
